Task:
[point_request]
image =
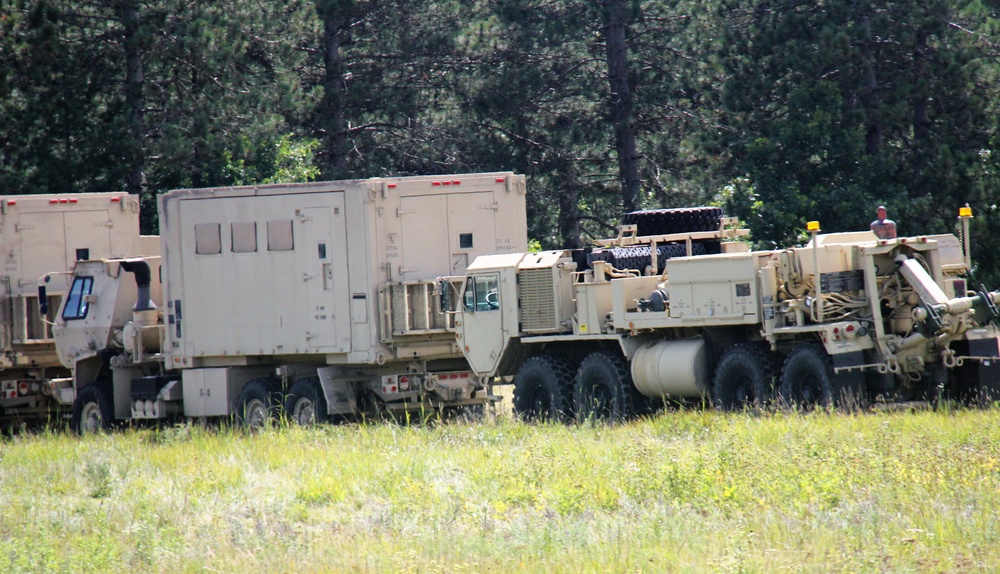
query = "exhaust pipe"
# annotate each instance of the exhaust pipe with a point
(143, 279)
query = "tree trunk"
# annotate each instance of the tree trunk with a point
(331, 115)
(127, 12)
(569, 210)
(869, 93)
(921, 123)
(616, 16)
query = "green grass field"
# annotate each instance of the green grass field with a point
(683, 492)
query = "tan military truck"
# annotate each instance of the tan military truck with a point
(42, 236)
(316, 299)
(676, 308)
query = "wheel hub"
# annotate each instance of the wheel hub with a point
(91, 418)
(256, 414)
(304, 412)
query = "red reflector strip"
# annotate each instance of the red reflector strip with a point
(53, 201)
(392, 186)
(115, 199)
(63, 201)
(11, 202)
(446, 183)
(436, 183)
(457, 182)
(73, 200)
(501, 179)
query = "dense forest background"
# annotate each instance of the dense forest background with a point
(782, 111)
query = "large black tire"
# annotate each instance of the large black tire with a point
(305, 404)
(807, 379)
(93, 410)
(543, 389)
(603, 389)
(255, 406)
(743, 377)
(670, 221)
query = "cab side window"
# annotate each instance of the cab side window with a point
(482, 293)
(76, 300)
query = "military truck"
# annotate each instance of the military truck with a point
(678, 308)
(42, 236)
(315, 299)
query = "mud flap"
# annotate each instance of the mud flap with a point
(977, 382)
(848, 386)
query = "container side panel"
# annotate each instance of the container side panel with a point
(262, 299)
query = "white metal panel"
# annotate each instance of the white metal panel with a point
(205, 392)
(719, 286)
(263, 302)
(472, 228)
(91, 231)
(51, 240)
(323, 260)
(43, 247)
(424, 238)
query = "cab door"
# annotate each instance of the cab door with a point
(481, 331)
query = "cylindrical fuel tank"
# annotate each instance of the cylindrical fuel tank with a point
(676, 369)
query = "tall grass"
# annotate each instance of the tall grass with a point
(685, 492)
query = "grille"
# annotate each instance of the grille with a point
(538, 304)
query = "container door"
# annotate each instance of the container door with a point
(323, 259)
(88, 235)
(472, 228)
(424, 238)
(42, 238)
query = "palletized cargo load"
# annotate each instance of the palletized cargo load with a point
(317, 299)
(43, 236)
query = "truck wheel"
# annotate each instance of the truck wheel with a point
(743, 378)
(543, 389)
(92, 410)
(254, 407)
(806, 378)
(603, 389)
(305, 404)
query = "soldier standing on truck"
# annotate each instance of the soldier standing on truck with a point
(882, 227)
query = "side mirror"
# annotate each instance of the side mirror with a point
(443, 300)
(43, 300)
